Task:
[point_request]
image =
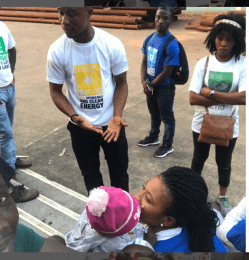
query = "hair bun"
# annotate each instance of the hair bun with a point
(97, 202)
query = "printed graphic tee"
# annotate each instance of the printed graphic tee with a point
(6, 42)
(155, 59)
(88, 70)
(221, 76)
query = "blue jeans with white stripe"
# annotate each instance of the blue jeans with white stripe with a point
(7, 105)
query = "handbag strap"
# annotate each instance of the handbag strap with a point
(205, 71)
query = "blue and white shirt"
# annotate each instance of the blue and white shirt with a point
(155, 59)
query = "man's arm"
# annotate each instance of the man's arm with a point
(144, 75)
(167, 70)
(144, 70)
(55, 244)
(120, 94)
(65, 107)
(230, 98)
(119, 99)
(12, 58)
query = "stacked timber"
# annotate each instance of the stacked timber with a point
(206, 22)
(114, 17)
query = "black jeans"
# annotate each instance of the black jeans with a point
(86, 146)
(160, 106)
(223, 156)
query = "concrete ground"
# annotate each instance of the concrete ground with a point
(40, 128)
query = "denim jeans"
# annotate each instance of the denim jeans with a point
(7, 105)
(160, 106)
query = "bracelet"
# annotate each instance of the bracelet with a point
(73, 116)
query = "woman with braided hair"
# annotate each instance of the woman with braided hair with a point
(221, 91)
(174, 206)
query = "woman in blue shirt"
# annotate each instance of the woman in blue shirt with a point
(174, 206)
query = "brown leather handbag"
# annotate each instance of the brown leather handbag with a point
(216, 129)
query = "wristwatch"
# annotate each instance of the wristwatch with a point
(211, 94)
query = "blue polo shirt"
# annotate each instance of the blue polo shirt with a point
(154, 53)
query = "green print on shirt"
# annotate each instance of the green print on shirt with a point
(3, 53)
(220, 81)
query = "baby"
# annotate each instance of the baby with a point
(104, 225)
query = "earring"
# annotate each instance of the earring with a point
(161, 225)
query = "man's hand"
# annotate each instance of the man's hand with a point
(84, 124)
(205, 92)
(113, 129)
(146, 90)
(150, 237)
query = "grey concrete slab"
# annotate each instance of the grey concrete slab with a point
(36, 230)
(49, 216)
(57, 195)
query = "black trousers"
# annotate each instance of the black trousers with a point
(86, 146)
(223, 156)
(6, 171)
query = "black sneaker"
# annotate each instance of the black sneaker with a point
(148, 140)
(163, 151)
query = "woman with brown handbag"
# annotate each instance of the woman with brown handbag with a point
(223, 90)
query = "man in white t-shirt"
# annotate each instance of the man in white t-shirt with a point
(7, 105)
(93, 64)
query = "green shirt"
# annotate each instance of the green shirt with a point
(27, 240)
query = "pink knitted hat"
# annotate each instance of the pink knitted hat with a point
(112, 211)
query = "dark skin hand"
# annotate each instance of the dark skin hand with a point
(150, 237)
(55, 244)
(167, 70)
(230, 98)
(64, 106)
(120, 97)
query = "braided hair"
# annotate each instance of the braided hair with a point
(238, 34)
(189, 207)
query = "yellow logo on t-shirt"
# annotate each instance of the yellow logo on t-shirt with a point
(88, 80)
(89, 84)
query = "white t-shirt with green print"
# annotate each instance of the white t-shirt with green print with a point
(6, 42)
(221, 76)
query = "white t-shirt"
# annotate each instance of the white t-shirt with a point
(88, 69)
(221, 76)
(6, 42)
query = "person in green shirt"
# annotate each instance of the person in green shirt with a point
(15, 237)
